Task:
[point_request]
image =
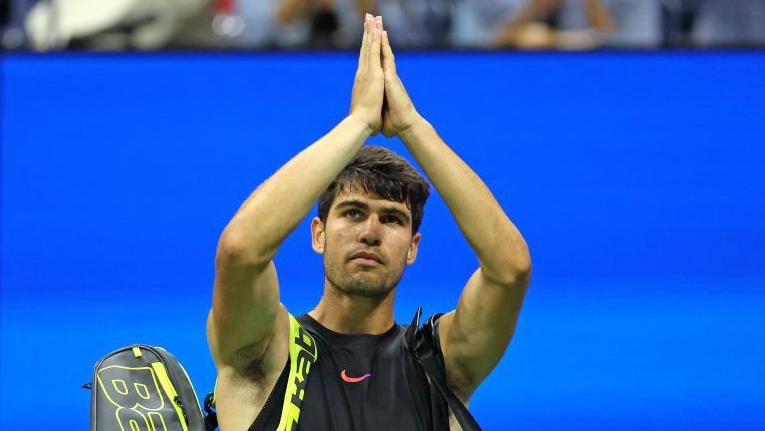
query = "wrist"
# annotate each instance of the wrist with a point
(417, 124)
(357, 122)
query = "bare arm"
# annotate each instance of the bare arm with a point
(246, 296)
(476, 334)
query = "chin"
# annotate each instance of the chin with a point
(361, 281)
(362, 286)
(368, 293)
(358, 287)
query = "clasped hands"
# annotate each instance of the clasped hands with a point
(379, 98)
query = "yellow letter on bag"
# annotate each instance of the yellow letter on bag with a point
(138, 405)
(303, 354)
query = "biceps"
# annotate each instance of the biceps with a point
(245, 306)
(481, 327)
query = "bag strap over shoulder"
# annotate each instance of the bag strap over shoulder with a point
(303, 354)
(422, 344)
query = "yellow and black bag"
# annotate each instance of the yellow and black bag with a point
(140, 387)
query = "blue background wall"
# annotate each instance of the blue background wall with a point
(637, 180)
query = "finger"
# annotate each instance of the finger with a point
(379, 26)
(389, 61)
(374, 51)
(364, 52)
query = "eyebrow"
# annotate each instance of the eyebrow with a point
(385, 210)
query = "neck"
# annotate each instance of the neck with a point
(352, 314)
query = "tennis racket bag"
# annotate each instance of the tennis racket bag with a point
(142, 388)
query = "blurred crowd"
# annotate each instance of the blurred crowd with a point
(412, 24)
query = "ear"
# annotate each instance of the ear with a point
(411, 255)
(317, 235)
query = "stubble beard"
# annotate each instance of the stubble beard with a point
(369, 284)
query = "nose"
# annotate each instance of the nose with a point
(370, 231)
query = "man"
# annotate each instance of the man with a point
(365, 378)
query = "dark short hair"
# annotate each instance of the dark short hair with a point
(379, 171)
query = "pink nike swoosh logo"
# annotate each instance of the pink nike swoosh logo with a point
(353, 379)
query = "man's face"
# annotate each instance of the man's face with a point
(366, 242)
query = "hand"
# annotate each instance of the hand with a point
(398, 111)
(369, 85)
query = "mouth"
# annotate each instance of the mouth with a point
(365, 261)
(365, 258)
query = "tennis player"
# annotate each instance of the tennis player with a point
(355, 370)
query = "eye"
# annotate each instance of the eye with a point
(391, 218)
(352, 213)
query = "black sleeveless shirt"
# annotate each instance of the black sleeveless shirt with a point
(361, 382)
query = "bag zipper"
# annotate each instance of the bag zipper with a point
(169, 390)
